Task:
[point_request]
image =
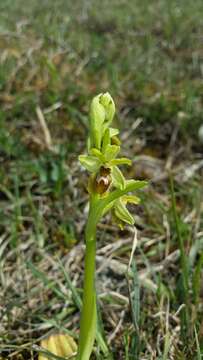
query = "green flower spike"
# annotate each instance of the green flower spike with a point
(101, 149)
(109, 191)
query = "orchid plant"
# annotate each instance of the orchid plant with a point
(109, 191)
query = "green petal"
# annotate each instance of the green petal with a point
(117, 178)
(122, 212)
(106, 140)
(121, 161)
(90, 163)
(130, 199)
(135, 184)
(113, 132)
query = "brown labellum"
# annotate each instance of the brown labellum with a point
(103, 180)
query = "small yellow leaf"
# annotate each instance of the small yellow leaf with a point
(59, 344)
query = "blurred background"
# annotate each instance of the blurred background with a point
(54, 57)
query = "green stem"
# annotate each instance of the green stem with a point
(88, 316)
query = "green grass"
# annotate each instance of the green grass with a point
(56, 56)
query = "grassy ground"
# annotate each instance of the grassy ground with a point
(54, 56)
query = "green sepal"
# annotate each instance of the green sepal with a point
(117, 221)
(97, 153)
(108, 207)
(118, 178)
(90, 163)
(97, 118)
(109, 106)
(122, 212)
(111, 152)
(135, 184)
(130, 185)
(106, 140)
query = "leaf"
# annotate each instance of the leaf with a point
(199, 354)
(117, 178)
(196, 279)
(87, 342)
(122, 212)
(90, 163)
(135, 308)
(100, 336)
(48, 283)
(167, 345)
(76, 298)
(61, 345)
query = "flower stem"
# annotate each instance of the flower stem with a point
(88, 316)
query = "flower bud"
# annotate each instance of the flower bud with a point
(102, 110)
(109, 106)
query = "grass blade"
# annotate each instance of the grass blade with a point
(183, 284)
